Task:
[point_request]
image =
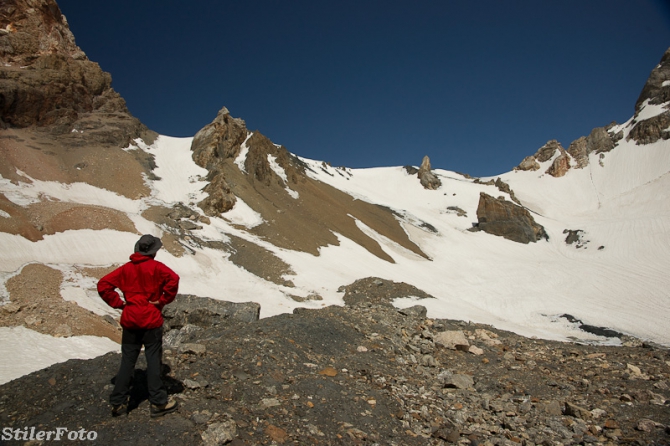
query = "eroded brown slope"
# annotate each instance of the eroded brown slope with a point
(306, 222)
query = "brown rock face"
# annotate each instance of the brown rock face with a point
(656, 91)
(257, 163)
(220, 198)
(528, 163)
(543, 154)
(599, 140)
(560, 165)
(35, 28)
(215, 143)
(651, 130)
(47, 81)
(218, 140)
(506, 219)
(547, 151)
(428, 178)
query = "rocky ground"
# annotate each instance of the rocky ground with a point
(366, 373)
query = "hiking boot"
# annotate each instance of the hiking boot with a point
(158, 410)
(120, 409)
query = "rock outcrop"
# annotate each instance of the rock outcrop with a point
(428, 179)
(560, 166)
(656, 91)
(504, 187)
(219, 140)
(543, 154)
(651, 130)
(220, 197)
(506, 219)
(528, 163)
(212, 145)
(600, 140)
(205, 312)
(47, 81)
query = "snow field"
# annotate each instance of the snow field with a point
(621, 205)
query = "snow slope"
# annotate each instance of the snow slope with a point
(620, 202)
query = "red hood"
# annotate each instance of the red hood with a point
(139, 258)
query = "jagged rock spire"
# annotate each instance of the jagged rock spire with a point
(428, 178)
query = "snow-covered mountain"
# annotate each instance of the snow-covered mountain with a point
(243, 219)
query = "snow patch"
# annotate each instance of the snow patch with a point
(31, 351)
(244, 151)
(276, 168)
(648, 111)
(82, 290)
(4, 214)
(242, 214)
(34, 191)
(181, 179)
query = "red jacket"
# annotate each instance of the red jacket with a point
(141, 280)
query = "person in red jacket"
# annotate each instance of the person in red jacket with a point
(147, 285)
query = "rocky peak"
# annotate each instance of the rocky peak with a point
(543, 154)
(219, 140)
(547, 151)
(257, 162)
(33, 28)
(656, 91)
(657, 87)
(47, 81)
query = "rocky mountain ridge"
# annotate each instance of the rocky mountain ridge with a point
(644, 130)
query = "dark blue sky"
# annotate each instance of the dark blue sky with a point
(476, 85)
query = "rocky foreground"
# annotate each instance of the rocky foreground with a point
(366, 373)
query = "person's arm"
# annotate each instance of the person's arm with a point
(107, 289)
(170, 286)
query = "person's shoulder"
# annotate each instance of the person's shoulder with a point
(161, 264)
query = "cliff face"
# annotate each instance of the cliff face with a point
(656, 92)
(47, 81)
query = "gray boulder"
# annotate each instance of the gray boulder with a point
(206, 312)
(503, 218)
